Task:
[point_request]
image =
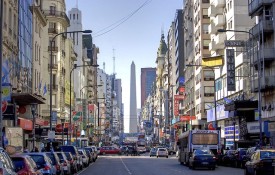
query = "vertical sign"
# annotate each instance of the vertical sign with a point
(230, 60)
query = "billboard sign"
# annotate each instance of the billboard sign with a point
(230, 60)
(234, 43)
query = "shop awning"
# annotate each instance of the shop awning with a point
(244, 105)
(27, 98)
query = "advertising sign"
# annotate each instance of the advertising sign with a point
(176, 107)
(230, 60)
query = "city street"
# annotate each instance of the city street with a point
(145, 165)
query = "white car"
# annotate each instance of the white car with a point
(162, 152)
(85, 158)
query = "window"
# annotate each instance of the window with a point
(229, 24)
(73, 16)
(205, 28)
(10, 20)
(52, 25)
(4, 15)
(206, 44)
(205, 1)
(208, 75)
(205, 14)
(52, 10)
(197, 94)
(208, 91)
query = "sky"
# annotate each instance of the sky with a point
(129, 30)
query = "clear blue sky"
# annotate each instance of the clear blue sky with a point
(136, 39)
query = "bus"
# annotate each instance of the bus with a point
(197, 139)
(141, 146)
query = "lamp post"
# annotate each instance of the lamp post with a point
(33, 109)
(75, 66)
(215, 101)
(51, 67)
(259, 77)
(62, 124)
(1, 63)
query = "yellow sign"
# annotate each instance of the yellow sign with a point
(67, 93)
(212, 61)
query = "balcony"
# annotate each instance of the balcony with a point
(267, 83)
(54, 48)
(217, 42)
(54, 87)
(217, 3)
(214, 11)
(212, 28)
(52, 30)
(219, 20)
(57, 14)
(255, 6)
(55, 66)
(266, 55)
(265, 26)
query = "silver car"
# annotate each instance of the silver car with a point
(6, 165)
(85, 158)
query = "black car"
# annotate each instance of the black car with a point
(229, 158)
(202, 158)
(239, 155)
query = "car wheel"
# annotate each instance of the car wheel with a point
(157, 156)
(150, 156)
(213, 168)
(166, 156)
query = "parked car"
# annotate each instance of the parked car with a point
(24, 164)
(260, 163)
(153, 152)
(56, 162)
(65, 163)
(6, 164)
(74, 152)
(109, 150)
(43, 162)
(239, 154)
(85, 157)
(228, 158)
(202, 158)
(92, 153)
(73, 162)
(162, 152)
(96, 151)
(248, 155)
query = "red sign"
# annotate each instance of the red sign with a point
(58, 127)
(187, 118)
(91, 107)
(4, 106)
(179, 97)
(25, 124)
(210, 126)
(176, 107)
(182, 89)
(40, 122)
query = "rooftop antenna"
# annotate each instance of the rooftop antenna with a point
(114, 62)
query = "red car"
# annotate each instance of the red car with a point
(109, 150)
(24, 164)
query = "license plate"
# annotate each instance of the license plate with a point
(205, 163)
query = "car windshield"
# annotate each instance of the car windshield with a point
(38, 159)
(202, 152)
(162, 149)
(70, 149)
(68, 155)
(51, 156)
(267, 154)
(80, 152)
(18, 162)
(60, 156)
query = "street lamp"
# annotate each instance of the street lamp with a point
(51, 67)
(259, 77)
(62, 124)
(215, 101)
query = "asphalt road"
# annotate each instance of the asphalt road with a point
(145, 165)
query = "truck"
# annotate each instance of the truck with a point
(197, 139)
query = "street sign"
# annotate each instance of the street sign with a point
(51, 135)
(230, 60)
(234, 43)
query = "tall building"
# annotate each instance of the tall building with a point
(133, 100)
(148, 76)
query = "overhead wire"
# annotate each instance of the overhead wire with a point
(121, 21)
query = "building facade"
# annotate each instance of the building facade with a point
(148, 76)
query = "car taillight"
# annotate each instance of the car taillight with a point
(1, 171)
(47, 168)
(57, 167)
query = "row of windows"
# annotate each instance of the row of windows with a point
(10, 20)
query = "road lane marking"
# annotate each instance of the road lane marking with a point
(127, 169)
